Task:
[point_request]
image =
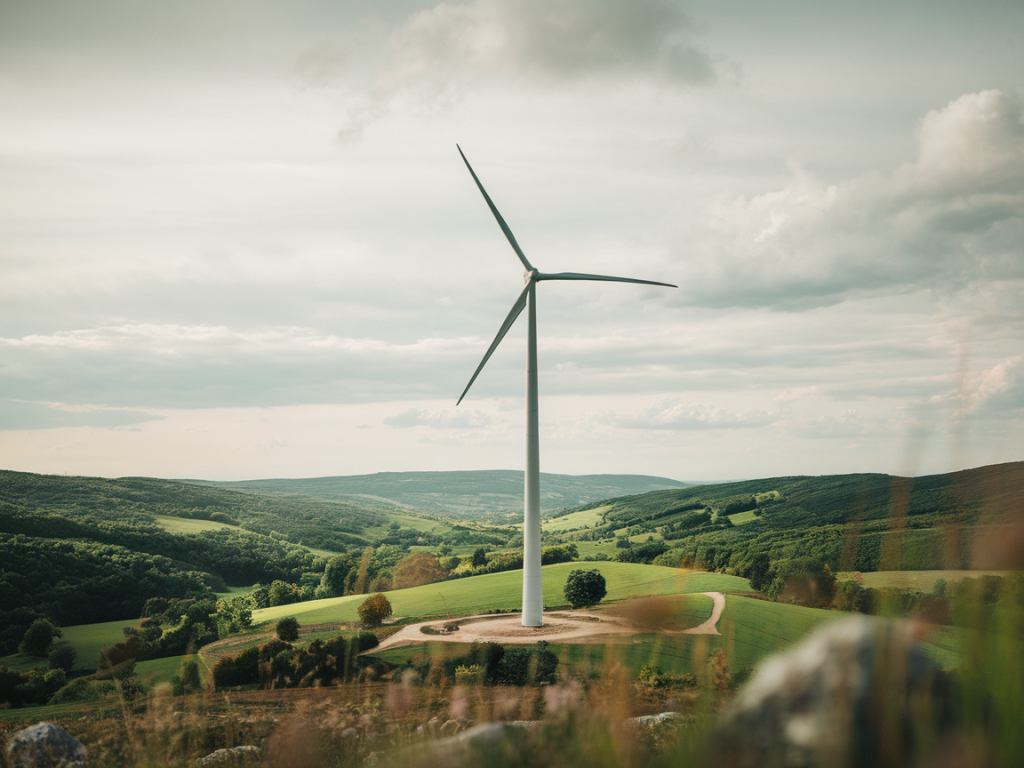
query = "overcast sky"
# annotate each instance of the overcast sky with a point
(237, 240)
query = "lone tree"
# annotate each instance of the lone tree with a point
(374, 609)
(287, 629)
(62, 656)
(38, 637)
(585, 588)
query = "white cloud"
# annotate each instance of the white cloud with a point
(992, 392)
(675, 414)
(432, 56)
(415, 417)
(952, 217)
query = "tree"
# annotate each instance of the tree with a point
(283, 593)
(374, 609)
(585, 588)
(287, 629)
(62, 656)
(335, 574)
(416, 570)
(479, 557)
(38, 637)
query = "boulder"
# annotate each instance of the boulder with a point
(857, 692)
(245, 755)
(45, 745)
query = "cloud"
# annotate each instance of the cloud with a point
(991, 392)
(949, 219)
(202, 366)
(433, 55)
(18, 415)
(676, 414)
(415, 417)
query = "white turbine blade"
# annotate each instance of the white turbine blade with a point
(517, 308)
(605, 278)
(501, 221)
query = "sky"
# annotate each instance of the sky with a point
(237, 240)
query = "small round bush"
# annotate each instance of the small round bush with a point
(585, 588)
(374, 609)
(287, 629)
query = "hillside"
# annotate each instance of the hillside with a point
(862, 522)
(495, 495)
(79, 550)
(330, 525)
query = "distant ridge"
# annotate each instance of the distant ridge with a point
(475, 494)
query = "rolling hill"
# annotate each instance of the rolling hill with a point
(495, 495)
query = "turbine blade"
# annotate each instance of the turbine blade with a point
(605, 278)
(517, 308)
(501, 221)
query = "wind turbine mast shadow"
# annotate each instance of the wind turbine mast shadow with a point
(533, 597)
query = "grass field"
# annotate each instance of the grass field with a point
(89, 639)
(573, 521)
(19, 662)
(923, 581)
(743, 517)
(188, 525)
(592, 548)
(157, 671)
(503, 591)
(751, 630)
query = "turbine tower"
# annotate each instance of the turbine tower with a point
(533, 598)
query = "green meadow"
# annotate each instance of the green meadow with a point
(573, 521)
(503, 592)
(922, 581)
(189, 525)
(743, 517)
(89, 639)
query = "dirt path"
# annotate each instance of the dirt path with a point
(560, 627)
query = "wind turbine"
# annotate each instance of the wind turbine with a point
(533, 597)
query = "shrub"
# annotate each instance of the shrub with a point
(418, 569)
(243, 669)
(288, 629)
(374, 610)
(38, 637)
(585, 588)
(62, 656)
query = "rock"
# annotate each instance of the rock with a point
(673, 719)
(450, 727)
(245, 755)
(846, 696)
(45, 744)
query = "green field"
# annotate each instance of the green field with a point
(922, 581)
(89, 639)
(157, 671)
(592, 548)
(743, 517)
(573, 521)
(19, 662)
(188, 524)
(503, 591)
(751, 630)
(185, 525)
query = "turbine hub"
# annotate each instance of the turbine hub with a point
(529, 275)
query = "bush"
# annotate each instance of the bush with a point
(585, 588)
(243, 669)
(288, 629)
(374, 610)
(62, 656)
(188, 680)
(38, 637)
